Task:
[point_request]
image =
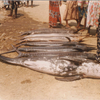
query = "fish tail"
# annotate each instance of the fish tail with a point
(6, 59)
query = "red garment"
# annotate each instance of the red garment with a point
(54, 13)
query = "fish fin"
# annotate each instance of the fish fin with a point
(68, 39)
(72, 59)
(72, 78)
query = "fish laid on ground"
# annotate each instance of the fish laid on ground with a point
(67, 69)
(49, 31)
(56, 54)
(52, 35)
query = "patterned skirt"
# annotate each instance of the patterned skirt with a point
(71, 11)
(54, 13)
(93, 13)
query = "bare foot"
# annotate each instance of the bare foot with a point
(50, 26)
(96, 35)
(67, 26)
(32, 6)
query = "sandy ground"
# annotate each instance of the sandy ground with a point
(43, 14)
(19, 83)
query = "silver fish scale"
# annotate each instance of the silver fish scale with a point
(62, 66)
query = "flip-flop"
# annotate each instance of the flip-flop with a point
(49, 26)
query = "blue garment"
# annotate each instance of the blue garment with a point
(6, 2)
(82, 11)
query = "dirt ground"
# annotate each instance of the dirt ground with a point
(19, 83)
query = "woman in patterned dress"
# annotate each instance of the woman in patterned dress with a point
(93, 14)
(54, 13)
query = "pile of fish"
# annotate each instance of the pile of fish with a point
(56, 52)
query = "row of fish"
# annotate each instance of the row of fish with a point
(52, 35)
(49, 51)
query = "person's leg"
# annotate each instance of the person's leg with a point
(5, 7)
(85, 23)
(11, 12)
(79, 22)
(80, 17)
(31, 3)
(67, 25)
(88, 33)
(84, 26)
(12, 7)
(27, 3)
(15, 10)
(85, 14)
(89, 29)
(96, 32)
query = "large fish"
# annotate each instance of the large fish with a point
(57, 66)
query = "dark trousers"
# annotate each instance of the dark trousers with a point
(13, 7)
(28, 2)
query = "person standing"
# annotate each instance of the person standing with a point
(28, 3)
(82, 7)
(93, 14)
(71, 12)
(14, 6)
(54, 13)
